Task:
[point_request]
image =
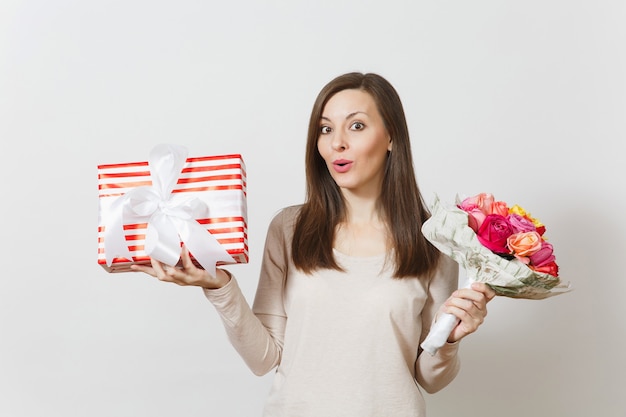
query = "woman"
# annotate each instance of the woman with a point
(349, 287)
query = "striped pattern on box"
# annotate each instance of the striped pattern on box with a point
(219, 181)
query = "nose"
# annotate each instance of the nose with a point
(338, 141)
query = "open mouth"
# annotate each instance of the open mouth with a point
(342, 165)
(342, 162)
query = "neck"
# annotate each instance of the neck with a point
(361, 209)
(364, 232)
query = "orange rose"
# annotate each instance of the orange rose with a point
(499, 207)
(524, 244)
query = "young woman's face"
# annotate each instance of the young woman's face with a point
(354, 142)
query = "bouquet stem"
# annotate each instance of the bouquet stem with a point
(439, 333)
(441, 329)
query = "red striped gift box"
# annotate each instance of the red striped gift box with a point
(219, 181)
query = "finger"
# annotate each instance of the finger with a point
(465, 310)
(478, 298)
(185, 258)
(485, 289)
(163, 272)
(157, 266)
(172, 273)
(461, 303)
(468, 322)
(143, 268)
(474, 305)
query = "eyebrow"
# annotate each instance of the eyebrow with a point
(348, 116)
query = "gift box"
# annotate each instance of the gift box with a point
(149, 209)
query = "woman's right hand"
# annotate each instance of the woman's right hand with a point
(185, 274)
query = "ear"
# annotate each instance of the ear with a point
(390, 145)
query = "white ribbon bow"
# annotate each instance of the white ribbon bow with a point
(169, 221)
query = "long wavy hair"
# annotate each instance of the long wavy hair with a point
(400, 203)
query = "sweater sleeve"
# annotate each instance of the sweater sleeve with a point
(257, 334)
(435, 372)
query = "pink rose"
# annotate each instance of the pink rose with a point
(494, 232)
(543, 256)
(475, 218)
(483, 201)
(521, 224)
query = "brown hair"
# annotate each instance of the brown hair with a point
(400, 203)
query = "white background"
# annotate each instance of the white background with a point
(526, 100)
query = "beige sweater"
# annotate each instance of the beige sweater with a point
(345, 344)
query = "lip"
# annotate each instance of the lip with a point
(342, 165)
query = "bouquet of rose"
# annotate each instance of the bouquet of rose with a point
(500, 245)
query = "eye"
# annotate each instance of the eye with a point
(357, 126)
(325, 130)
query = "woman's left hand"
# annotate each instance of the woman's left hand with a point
(469, 305)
